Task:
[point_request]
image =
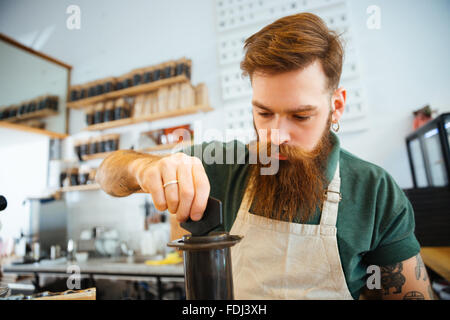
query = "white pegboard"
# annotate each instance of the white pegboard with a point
(232, 14)
(233, 84)
(239, 116)
(239, 121)
(231, 45)
(350, 68)
(238, 19)
(356, 105)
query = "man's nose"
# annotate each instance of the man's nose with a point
(279, 134)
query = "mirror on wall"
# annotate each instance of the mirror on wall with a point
(33, 90)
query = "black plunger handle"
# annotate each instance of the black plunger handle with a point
(211, 219)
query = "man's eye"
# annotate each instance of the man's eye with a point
(302, 118)
(264, 114)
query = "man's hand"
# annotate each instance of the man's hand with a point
(188, 197)
(407, 280)
(125, 172)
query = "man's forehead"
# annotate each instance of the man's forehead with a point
(310, 77)
(290, 90)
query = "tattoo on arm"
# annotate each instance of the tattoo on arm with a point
(414, 295)
(420, 268)
(395, 276)
(391, 277)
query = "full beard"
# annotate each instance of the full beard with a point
(297, 189)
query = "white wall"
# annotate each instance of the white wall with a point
(404, 64)
(23, 173)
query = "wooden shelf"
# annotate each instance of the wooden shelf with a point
(174, 113)
(33, 115)
(161, 147)
(131, 91)
(85, 187)
(109, 124)
(151, 117)
(21, 127)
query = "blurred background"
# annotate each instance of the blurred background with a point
(80, 79)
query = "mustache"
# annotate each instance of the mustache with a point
(291, 152)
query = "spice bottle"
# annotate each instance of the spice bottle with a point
(119, 109)
(109, 84)
(77, 147)
(74, 177)
(109, 111)
(90, 115)
(147, 75)
(74, 93)
(98, 113)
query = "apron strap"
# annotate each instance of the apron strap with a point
(331, 203)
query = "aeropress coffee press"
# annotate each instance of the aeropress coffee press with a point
(207, 256)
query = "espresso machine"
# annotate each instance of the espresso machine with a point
(207, 256)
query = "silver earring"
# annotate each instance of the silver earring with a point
(335, 129)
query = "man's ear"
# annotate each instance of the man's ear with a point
(338, 104)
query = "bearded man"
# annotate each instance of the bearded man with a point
(313, 226)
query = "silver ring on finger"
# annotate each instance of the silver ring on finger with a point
(170, 182)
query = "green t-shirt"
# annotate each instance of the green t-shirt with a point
(375, 222)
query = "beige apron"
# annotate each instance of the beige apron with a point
(282, 260)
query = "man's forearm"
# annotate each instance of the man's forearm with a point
(117, 173)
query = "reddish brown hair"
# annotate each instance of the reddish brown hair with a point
(292, 43)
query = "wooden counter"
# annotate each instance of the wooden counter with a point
(437, 259)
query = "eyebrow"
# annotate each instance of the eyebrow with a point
(301, 108)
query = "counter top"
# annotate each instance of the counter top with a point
(438, 259)
(113, 266)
